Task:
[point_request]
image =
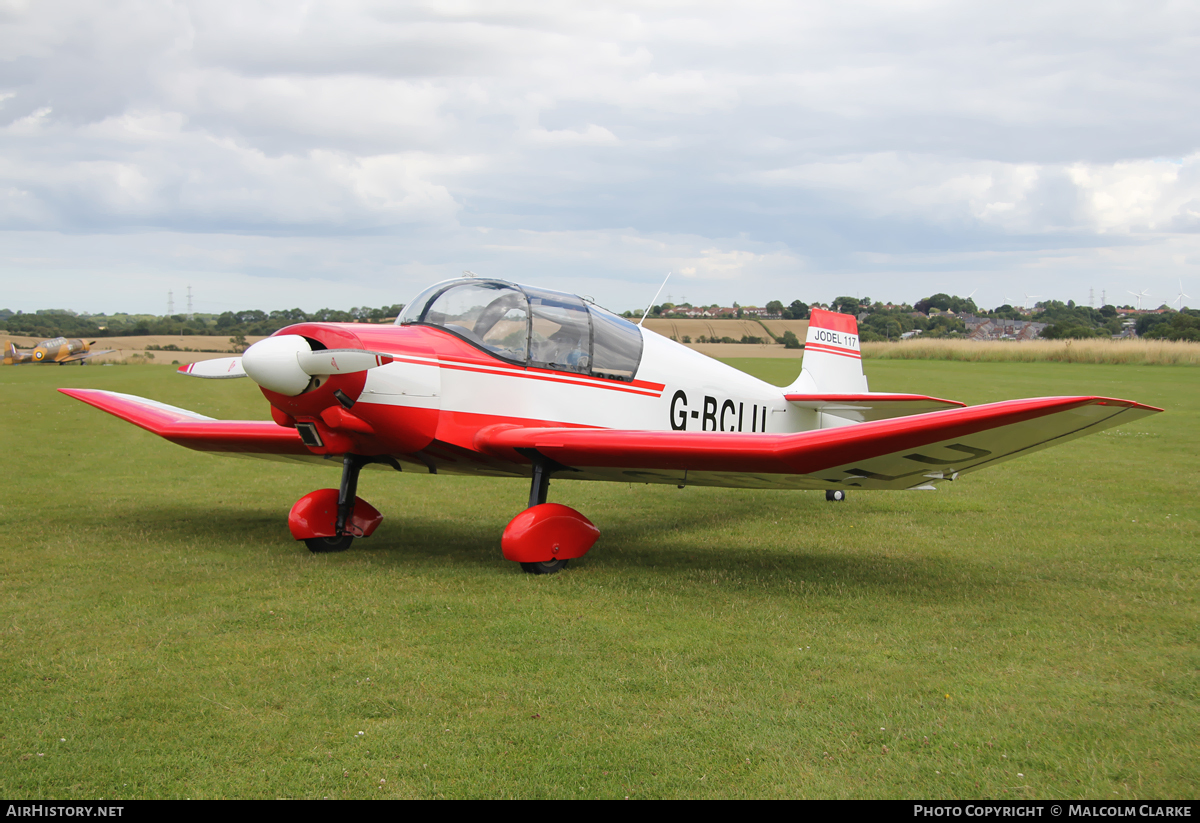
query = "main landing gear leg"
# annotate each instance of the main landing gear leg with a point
(539, 490)
(351, 465)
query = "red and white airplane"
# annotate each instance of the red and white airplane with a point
(486, 377)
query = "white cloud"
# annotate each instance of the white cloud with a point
(593, 135)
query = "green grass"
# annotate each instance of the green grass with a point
(1103, 350)
(1030, 631)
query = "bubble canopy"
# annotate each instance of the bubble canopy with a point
(532, 327)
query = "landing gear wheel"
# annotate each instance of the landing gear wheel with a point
(835, 495)
(325, 545)
(545, 567)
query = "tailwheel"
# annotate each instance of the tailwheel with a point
(326, 545)
(835, 495)
(547, 567)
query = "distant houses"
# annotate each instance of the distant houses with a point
(712, 312)
(989, 328)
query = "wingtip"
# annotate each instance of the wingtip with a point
(1131, 404)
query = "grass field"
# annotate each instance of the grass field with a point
(1095, 351)
(1030, 631)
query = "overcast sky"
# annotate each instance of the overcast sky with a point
(280, 154)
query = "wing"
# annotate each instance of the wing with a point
(872, 405)
(905, 453)
(83, 355)
(255, 438)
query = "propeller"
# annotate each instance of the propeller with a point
(286, 364)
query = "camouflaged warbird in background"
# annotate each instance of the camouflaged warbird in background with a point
(58, 350)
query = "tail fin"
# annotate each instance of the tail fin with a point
(10, 353)
(832, 359)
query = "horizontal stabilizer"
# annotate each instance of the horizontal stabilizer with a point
(195, 431)
(871, 405)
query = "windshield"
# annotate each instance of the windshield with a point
(490, 314)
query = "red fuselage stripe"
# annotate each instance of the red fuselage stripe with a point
(500, 364)
(504, 370)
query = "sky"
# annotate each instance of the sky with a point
(335, 154)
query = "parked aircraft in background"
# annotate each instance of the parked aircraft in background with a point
(58, 350)
(486, 377)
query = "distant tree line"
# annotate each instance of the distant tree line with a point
(876, 321)
(1184, 325)
(62, 323)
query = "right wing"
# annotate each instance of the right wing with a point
(905, 453)
(257, 438)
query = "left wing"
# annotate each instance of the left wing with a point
(906, 453)
(259, 438)
(83, 355)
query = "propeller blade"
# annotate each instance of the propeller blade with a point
(340, 361)
(222, 368)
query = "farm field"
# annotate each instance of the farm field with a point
(1029, 631)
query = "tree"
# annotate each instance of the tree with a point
(944, 302)
(796, 311)
(845, 305)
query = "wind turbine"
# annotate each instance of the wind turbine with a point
(1179, 299)
(1145, 293)
(1029, 297)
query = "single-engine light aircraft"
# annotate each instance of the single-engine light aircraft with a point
(487, 377)
(58, 350)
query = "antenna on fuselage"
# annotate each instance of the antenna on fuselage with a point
(656, 294)
(467, 273)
